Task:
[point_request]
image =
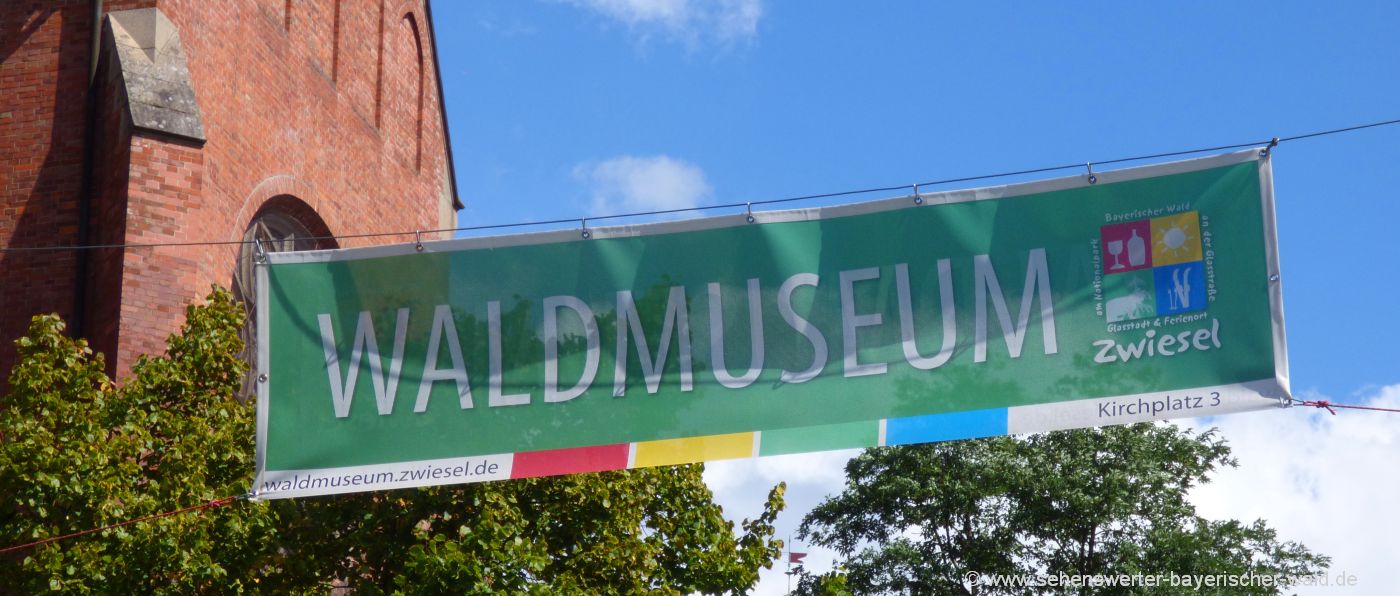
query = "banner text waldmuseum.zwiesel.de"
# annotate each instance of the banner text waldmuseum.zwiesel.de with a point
(1150, 294)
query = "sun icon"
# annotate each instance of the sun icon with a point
(1175, 239)
(1172, 241)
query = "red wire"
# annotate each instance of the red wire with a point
(201, 506)
(1327, 405)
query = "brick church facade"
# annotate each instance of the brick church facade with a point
(160, 122)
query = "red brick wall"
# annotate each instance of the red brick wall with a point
(44, 65)
(164, 203)
(357, 65)
(313, 27)
(290, 95)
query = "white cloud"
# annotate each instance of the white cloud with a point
(1326, 481)
(688, 21)
(629, 184)
(741, 485)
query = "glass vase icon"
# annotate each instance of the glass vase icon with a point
(1137, 250)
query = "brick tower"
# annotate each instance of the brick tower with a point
(136, 122)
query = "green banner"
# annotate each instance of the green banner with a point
(1138, 294)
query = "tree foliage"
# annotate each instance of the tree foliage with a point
(78, 451)
(916, 519)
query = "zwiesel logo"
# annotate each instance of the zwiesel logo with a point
(1153, 267)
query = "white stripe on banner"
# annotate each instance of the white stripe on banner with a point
(1143, 407)
(329, 481)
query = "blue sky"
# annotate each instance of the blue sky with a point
(570, 108)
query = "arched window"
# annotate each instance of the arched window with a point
(403, 124)
(275, 231)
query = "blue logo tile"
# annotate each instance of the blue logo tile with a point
(1180, 288)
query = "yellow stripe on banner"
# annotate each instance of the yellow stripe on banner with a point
(695, 449)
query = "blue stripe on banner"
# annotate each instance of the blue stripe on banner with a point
(946, 427)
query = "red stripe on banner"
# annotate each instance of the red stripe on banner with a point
(569, 461)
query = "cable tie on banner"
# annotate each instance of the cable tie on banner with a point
(1328, 405)
(918, 199)
(1089, 165)
(1321, 403)
(586, 234)
(748, 212)
(1270, 149)
(418, 240)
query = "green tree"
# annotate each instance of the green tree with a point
(831, 583)
(78, 451)
(916, 519)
